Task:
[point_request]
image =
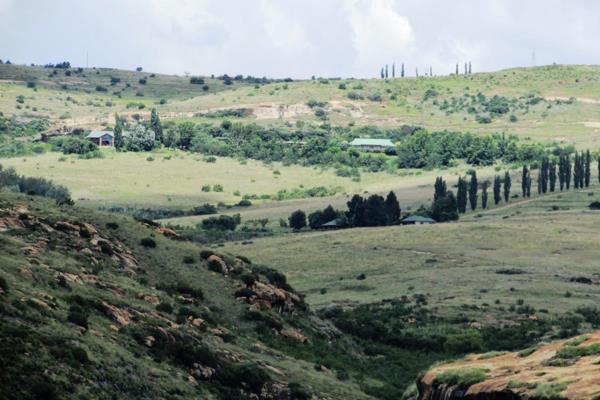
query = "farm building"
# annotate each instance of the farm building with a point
(417, 220)
(368, 144)
(102, 138)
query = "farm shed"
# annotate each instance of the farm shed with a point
(417, 220)
(376, 145)
(102, 138)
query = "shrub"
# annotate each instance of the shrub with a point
(205, 188)
(297, 220)
(595, 205)
(245, 292)
(188, 260)
(148, 242)
(461, 378)
(218, 188)
(112, 225)
(205, 254)
(222, 222)
(100, 88)
(467, 341)
(244, 203)
(195, 80)
(164, 307)
(78, 317)
(234, 375)
(3, 284)
(298, 392)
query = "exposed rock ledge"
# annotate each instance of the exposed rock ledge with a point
(568, 369)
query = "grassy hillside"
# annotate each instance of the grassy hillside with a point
(552, 103)
(534, 250)
(99, 306)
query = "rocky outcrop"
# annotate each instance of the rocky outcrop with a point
(568, 369)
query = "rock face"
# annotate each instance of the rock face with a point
(568, 369)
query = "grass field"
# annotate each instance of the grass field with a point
(458, 265)
(174, 180)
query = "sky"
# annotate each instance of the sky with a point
(300, 38)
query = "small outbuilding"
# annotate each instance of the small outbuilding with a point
(102, 138)
(417, 220)
(375, 145)
(333, 224)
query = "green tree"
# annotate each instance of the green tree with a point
(393, 70)
(497, 189)
(507, 185)
(567, 171)
(402, 71)
(456, 69)
(392, 209)
(552, 176)
(187, 130)
(382, 73)
(297, 220)
(484, 194)
(118, 132)
(461, 195)
(375, 211)
(561, 171)
(524, 177)
(356, 211)
(139, 139)
(473, 191)
(156, 126)
(445, 208)
(439, 188)
(386, 71)
(470, 71)
(588, 168)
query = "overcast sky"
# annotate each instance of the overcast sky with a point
(300, 38)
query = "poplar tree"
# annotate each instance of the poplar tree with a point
(118, 132)
(561, 171)
(529, 184)
(392, 209)
(402, 71)
(576, 171)
(382, 73)
(393, 70)
(156, 126)
(507, 185)
(484, 194)
(567, 171)
(539, 183)
(588, 168)
(417, 72)
(552, 176)
(430, 70)
(466, 70)
(386, 71)
(470, 71)
(497, 196)
(456, 68)
(440, 188)
(473, 191)
(543, 176)
(524, 177)
(461, 195)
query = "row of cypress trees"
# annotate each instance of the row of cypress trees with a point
(550, 173)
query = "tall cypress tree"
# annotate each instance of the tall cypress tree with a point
(461, 195)
(156, 126)
(484, 194)
(393, 70)
(417, 72)
(543, 177)
(402, 71)
(456, 68)
(118, 132)
(576, 170)
(392, 209)
(552, 176)
(588, 168)
(507, 185)
(561, 171)
(567, 171)
(466, 70)
(524, 176)
(382, 73)
(539, 183)
(470, 71)
(430, 70)
(473, 191)
(440, 188)
(529, 184)
(497, 188)
(386, 71)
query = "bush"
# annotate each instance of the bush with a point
(205, 254)
(234, 375)
(297, 220)
(3, 284)
(74, 145)
(188, 260)
(78, 317)
(148, 243)
(195, 80)
(100, 88)
(222, 222)
(595, 205)
(164, 307)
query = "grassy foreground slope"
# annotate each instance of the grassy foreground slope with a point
(99, 306)
(536, 250)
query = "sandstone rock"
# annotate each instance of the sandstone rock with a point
(294, 335)
(120, 316)
(217, 264)
(168, 232)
